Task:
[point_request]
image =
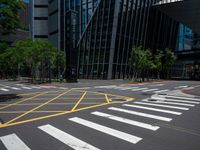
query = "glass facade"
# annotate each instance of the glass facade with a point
(114, 29)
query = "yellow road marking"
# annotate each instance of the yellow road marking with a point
(67, 103)
(106, 96)
(13, 104)
(53, 115)
(13, 112)
(101, 93)
(79, 101)
(37, 107)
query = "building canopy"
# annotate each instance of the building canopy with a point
(186, 12)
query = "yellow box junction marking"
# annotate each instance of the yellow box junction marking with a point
(59, 113)
(79, 101)
(107, 100)
(26, 99)
(37, 107)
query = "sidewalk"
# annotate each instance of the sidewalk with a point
(195, 91)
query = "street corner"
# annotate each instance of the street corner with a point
(42, 105)
(192, 91)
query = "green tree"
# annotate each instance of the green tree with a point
(9, 15)
(38, 56)
(141, 62)
(157, 60)
(168, 60)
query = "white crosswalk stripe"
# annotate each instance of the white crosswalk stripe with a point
(163, 102)
(35, 87)
(160, 91)
(166, 106)
(13, 142)
(27, 88)
(19, 84)
(154, 109)
(14, 88)
(127, 121)
(173, 100)
(66, 138)
(182, 86)
(149, 90)
(129, 88)
(109, 86)
(138, 89)
(63, 88)
(180, 97)
(5, 90)
(118, 134)
(141, 114)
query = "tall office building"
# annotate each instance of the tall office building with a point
(98, 35)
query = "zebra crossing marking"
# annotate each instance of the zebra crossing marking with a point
(180, 97)
(66, 138)
(139, 89)
(173, 100)
(149, 90)
(14, 88)
(166, 106)
(13, 142)
(27, 88)
(36, 87)
(118, 134)
(182, 86)
(160, 91)
(141, 114)
(127, 121)
(154, 109)
(5, 90)
(163, 102)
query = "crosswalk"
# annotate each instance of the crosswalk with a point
(141, 88)
(19, 87)
(136, 114)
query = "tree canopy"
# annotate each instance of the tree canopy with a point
(9, 15)
(142, 62)
(39, 57)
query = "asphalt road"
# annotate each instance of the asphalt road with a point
(106, 115)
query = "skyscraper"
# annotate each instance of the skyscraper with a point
(98, 35)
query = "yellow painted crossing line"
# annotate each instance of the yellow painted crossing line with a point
(101, 93)
(53, 115)
(107, 100)
(60, 112)
(82, 97)
(19, 112)
(37, 107)
(13, 104)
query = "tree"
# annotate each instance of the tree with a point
(168, 60)
(39, 57)
(9, 15)
(3, 47)
(141, 62)
(157, 60)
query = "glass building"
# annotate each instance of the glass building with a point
(98, 35)
(117, 26)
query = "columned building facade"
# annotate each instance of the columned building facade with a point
(98, 35)
(114, 29)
